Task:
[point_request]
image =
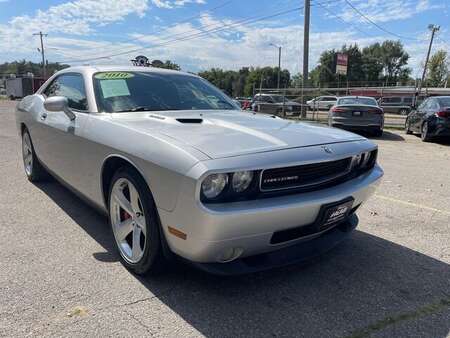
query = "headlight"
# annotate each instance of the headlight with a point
(214, 184)
(356, 160)
(241, 180)
(364, 160)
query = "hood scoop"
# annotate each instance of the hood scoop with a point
(190, 120)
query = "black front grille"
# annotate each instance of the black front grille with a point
(304, 175)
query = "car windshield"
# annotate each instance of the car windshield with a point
(444, 101)
(152, 91)
(278, 99)
(358, 100)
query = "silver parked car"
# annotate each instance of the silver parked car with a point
(181, 172)
(358, 113)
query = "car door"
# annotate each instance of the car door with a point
(61, 144)
(318, 102)
(416, 116)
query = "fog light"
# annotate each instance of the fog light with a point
(230, 254)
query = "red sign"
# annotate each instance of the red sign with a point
(341, 63)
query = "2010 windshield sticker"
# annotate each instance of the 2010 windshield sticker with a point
(113, 75)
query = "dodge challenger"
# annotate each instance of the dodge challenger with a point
(183, 173)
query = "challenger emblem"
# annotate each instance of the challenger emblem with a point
(327, 149)
(280, 179)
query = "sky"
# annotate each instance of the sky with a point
(200, 34)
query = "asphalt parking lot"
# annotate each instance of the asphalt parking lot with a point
(60, 275)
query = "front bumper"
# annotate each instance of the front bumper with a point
(294, 254)
(249, 225)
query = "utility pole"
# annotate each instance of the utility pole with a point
(279, 64)
(433, 29)
(44, 70)
(306, 48)
(279, 67)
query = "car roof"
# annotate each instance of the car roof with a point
(120, 68)
(356, 96)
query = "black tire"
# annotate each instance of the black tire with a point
(153, 260)
(407, 128)
(425, 135)
(403, 111)
(378, 132)
(36, 172)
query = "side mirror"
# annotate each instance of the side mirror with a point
(59, 103)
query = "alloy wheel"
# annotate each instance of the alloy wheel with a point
(128, 220)
(27, 154)
(424, 134)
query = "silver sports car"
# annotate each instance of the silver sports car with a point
(182, 172)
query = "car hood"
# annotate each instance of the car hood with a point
(228, 133)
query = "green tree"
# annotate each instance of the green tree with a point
(23, 67)
(297, 80)
(167, 65)
(438, 71)
(372, 64)
(394, 59)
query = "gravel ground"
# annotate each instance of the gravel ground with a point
(59, 273)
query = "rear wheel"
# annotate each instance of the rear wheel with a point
(33, 169)
(425, 135)
(135, 223)
(403, 111)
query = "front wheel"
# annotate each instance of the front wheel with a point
(425, 135)
(407, 128)
(403, 111)
(135, 223)
(33, 169)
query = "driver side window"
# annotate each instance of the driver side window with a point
(71, 86)
(423, 105)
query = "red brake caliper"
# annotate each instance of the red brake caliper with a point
(124, 215)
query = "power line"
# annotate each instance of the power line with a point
(87, 58)
(377, 25)
(321, 4)
(177, 23)
(194, 36)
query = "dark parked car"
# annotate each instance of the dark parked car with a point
(430, 119)
(359, 113)
(275, 104)
(396, 104)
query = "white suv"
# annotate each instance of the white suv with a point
(322, 102)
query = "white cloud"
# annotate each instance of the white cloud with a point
(175, 3)
(237, 47)
(232, 48)
(385, 11)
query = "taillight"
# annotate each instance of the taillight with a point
(338, 110)
(375, 111)
(443, 114)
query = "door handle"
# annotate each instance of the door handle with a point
(43, 116)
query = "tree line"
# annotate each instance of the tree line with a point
(379, 64)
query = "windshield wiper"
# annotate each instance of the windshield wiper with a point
(135, 109)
